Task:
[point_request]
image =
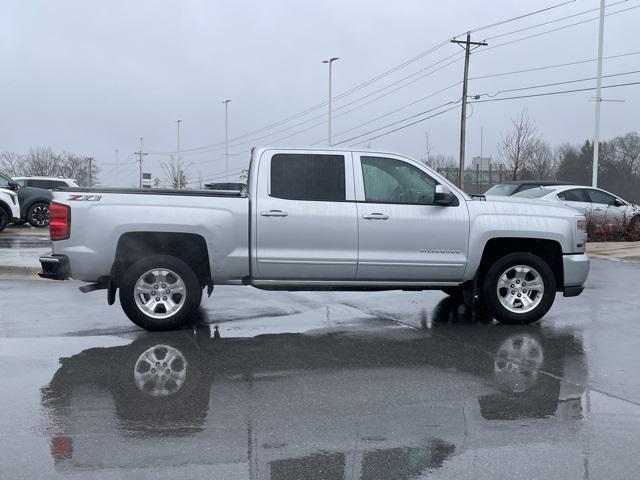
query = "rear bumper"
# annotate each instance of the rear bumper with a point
(576, 270)
(55, 267)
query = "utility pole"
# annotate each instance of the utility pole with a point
(466, 44)
(596, 133)
(226, 137)
(140, 155)
(90, 160)
(330, 63)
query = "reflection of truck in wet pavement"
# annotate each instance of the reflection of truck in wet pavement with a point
(316, 219)
(329, 405)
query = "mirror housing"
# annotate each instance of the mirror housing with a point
(14, 185)
(444, 197)
(618, 203)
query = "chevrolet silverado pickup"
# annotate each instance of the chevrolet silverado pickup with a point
(316, 219)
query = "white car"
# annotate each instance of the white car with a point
(9, 207)
(599, 206)
(48, 183)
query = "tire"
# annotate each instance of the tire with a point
(506, 303)
(161, 311)
(38, 215)
(4, 219)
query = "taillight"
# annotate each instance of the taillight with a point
(59, 221)
(61, 447)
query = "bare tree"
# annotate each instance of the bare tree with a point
(542, 164)
(517, 145)
(175, 172)
(428, 150)
(12, 163)
(42, 161)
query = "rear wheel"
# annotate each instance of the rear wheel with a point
(38, 215)
(519, 288)
(160, 292)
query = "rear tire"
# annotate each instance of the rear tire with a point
(160, 292)
(38, 215)
(508, 296)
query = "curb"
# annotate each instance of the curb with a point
(14, 272)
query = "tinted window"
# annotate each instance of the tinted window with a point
(308, 177)
(502, 189)
(575, 195)
(534, 192)
(58, 184)
(387, 180)
(39, 183)
(4, 181)
(602, 197)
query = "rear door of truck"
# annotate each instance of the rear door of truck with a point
(306, 217)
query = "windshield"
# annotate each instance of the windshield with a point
(534, 193)
(502, 189)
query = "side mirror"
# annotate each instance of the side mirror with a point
(443, 196)
(13, 185)
(618, 203)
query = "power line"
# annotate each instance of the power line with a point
(553, 21)
(552, 84)
(555, 29)
(519, 17)
(547, 67)
(399, 121)
(553, 93)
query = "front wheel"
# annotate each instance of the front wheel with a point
(160, 292)
(38, 215)
(519, 288)
(4, 219)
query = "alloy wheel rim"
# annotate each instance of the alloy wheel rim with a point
(160, 371)
(40, 215)
(160, 293)
(520, 289)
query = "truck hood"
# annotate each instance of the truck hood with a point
(521, 206)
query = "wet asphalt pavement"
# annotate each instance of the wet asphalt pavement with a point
(276, 385)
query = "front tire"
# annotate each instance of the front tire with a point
(38, 215)
(519, 288)
(160, 292)
(4, 219)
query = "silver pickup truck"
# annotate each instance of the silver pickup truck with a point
(316, 219)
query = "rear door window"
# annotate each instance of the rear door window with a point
(38, 183)
(308, 177)
(575, 195)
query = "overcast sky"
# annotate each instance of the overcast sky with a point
(91, 77)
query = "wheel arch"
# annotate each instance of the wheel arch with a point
(189, 247)
(549, 250)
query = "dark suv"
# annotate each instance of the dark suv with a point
(34, 202)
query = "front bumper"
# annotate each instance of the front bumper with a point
(55, 267)
(576, 270)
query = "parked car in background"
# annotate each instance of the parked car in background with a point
(34, 202)
(603, 209)
(9, 207)
(48, 183)
(506, 189)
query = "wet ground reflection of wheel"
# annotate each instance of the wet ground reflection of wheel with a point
(160, 371)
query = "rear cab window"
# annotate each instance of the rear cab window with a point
(315, 177)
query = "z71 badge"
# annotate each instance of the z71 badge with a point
(84, 198)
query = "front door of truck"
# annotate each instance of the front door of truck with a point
(305, 216)
(403, 235)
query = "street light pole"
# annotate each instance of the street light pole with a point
(226, 138)
(596, 133)
(330, 63)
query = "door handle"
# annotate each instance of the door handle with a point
(598, 209)
(376, 216)
(274, 213)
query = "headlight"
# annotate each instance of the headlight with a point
(14, 197)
